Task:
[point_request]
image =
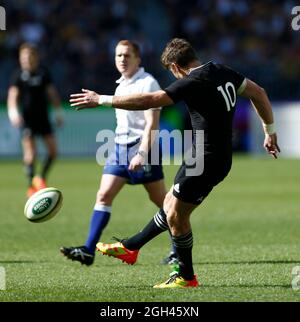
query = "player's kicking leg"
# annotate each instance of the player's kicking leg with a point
(127, 249)
(178, 219)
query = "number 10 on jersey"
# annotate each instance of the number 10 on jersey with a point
(229, 96)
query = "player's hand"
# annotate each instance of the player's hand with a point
(15, 117)
(86, 99)
(136, 163)
(270, 144)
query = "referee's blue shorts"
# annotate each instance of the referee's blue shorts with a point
(118, 162)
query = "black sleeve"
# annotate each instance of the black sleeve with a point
(179, 90)
(15, 79)
(233, 76)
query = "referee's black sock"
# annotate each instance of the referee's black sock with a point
(157, 225)
(183, 245)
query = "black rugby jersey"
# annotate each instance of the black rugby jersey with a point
(210, 94)
(33, 99)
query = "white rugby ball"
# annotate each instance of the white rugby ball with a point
(43, 205)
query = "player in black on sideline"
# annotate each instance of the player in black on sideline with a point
(30, 91)
(210, 91)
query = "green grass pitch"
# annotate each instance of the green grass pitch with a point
(246, 238)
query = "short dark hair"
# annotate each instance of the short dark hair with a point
(28, 46)
(178, 51)
(135, 47)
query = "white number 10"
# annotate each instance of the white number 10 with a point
(229, 97)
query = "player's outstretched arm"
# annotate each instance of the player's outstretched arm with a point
(142, 101)
(260, 102)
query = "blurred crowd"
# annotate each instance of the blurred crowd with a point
(254, 36)
(76, 39)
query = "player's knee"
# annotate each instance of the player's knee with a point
(177, 222)
(28, 158)
(173, 218)
(104, 197)
(167, 199)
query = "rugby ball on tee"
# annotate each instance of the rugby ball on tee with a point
(43, 205)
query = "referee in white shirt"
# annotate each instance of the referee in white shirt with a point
(133, 136)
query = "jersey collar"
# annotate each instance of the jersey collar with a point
(198, 67)
(137, 75)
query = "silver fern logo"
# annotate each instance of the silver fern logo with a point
(2, 18)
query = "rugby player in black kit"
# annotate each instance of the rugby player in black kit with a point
(30, 91)
(210, 92)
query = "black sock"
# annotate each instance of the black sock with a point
(183, 245)
(29, 170)
(157, 225)
(173, 249)
(46, 166)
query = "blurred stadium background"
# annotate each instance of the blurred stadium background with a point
(77, 40)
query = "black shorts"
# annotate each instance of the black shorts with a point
(194, 189)
(36, 129)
